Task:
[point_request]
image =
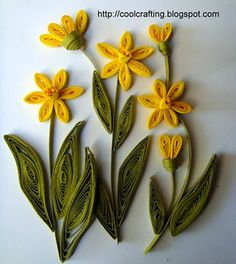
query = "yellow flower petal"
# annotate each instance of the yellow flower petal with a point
(126, 41)
(107, 50)
(155, 118)
(165, 146)
(166, 31)
(159, 89)
(42, 81)
(181, 107)
(60, 80)
(35, 98)
(176, 144)
(155, 33)
(81, 21)
(139, 68)
(176, 90)
(71, 92)
(110, 69)
(61, 111)
(57, 31)
(68, 24)
(171, 118)
(49, 40)
(45, 110)
(149, 101)
(141, 53)
(124, 77)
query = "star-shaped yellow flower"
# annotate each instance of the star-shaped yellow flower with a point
(69, 35)
(124, 59)
(165, 104)
(52, 95)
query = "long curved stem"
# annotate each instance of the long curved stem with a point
(89, 58)
(172, 180)
(167, 66)
(183, 189)
(51, 143)
(113, 153)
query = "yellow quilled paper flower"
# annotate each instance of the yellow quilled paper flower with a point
(52, 95)
(69, 34)
(164, 104)
(125, 58)
(160, 36)
(170, 146)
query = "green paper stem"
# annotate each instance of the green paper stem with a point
(167, 66)
(173, 190)
(90, 59)
(183, 189)
(51, 143)
(113, 152)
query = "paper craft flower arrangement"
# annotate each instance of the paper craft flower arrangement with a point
(73, 198)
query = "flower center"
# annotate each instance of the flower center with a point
(52, 92)
(165, 103)
(124, 55)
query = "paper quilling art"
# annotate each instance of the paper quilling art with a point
(67, 197)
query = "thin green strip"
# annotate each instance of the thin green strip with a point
(167, 66)
(113, 154)
(51, 143)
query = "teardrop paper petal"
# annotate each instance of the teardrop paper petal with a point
(176, 90)
(50, 41)
(139, 68)
(62, 111)
(35, 98)
(159, 89)
(42, 81)
(141, 53)
(68, 24)
(60, 80)
(71, 92)
(124, 77)
(57, 31)
(81, 21)
(107, 50)
(126, 41)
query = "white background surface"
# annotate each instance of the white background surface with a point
(203, 56)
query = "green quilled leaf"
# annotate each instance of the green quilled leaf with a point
(130, 174)
(79, 212)
(104, 210)
(31, 176)
(66, 171)
(124, 123)
(156, 209)
(102, 103)
(192, 203)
